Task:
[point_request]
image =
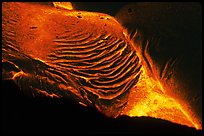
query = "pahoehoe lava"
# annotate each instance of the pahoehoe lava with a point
(59, 54)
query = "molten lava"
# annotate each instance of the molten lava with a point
(148, 98)
(81, 49)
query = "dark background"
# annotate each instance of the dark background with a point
(174, 32)
(26, 115)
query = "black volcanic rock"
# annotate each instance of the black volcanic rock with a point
(25, 115)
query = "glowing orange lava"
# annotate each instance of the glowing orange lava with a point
(148, 98)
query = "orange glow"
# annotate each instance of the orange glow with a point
(148, 98)
(47, 94)
(18, 74)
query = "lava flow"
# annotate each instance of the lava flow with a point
(88, 56)
(148, 98)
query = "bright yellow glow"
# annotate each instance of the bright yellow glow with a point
(40, 60)
(148, 99)
(65, 5)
